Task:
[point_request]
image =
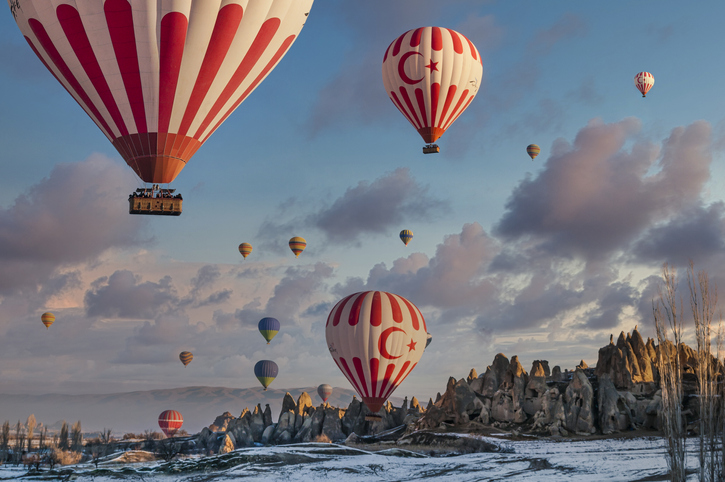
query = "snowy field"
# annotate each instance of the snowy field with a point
(613, 459)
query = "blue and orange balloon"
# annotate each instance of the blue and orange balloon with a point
(406, 235)
(297, 245)
(268, 327)
(266, 371)
(186, 357)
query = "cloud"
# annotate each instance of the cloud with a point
(568, 26)
(70, 217)
(596, 196)
(375, 207)
(124, 295)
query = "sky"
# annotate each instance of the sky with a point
(541, 259)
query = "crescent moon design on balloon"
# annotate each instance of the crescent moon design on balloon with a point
(401, 68)
(383, 342)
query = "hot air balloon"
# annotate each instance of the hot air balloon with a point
(324, 391)
(186, 357)
(266, 371)
(47, 319)
(428, 339)
(432, 74)
(376, 339)
(297, 245)
(533, 150)
(644, 82)
(406, 235)
(170, 421)
(159, 77)
(268, 327)
(245, 249)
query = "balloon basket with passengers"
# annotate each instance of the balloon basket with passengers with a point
(155, 201)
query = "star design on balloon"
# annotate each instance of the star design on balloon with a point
(433, 66)
(411, 345)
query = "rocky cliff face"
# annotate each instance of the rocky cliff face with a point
(620, 394)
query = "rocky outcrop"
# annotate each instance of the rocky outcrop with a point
(614, 412)
(221, 422)
(493, 377)
(578, 403)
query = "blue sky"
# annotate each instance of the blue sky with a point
(539, 259)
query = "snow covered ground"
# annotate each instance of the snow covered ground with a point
(638, 459)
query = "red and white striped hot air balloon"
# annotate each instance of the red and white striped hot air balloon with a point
(158, 77)
(432, 74)
(376, 339)
(644, 82)
(170, 421)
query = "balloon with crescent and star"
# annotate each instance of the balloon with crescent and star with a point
(644, 82)
(432, 74)
(376, 339)
(158, 77)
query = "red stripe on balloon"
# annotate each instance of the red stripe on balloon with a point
(435, 92)
(265, 35)
(119, 18)
(60, 64)
(75, 32)
(354, 317)
(436, 40)
(413, 314)
(447, 104)
(421, 105)
(395, 308)
(397, 380)
(338, 311)
(455, 111)
(171, 50)
(474, 54)
(463, 108)
(406, 98)
(350, 376)
(225, 28)
(416, 37)
(456, 38)
(361, 376)
(386, 380)
(398, 44)
(374, 366)
(376, 310)
(401, 108)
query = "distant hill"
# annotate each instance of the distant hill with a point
(138, 411)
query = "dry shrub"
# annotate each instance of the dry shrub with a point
(322, 438)
(68, 457)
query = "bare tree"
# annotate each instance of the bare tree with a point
(167, 449)
(19, 443)
(63, 437)
(30, 425)
(42, 438)
(76, 437)
(4, 441)
(669, 319)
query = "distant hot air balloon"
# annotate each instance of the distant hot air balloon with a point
(158, 77)
(376, 339)
(428, 339)
(186, 357)
(170, 421)
(432, 74)
(644, 82)
(406, 235)
(266, 371)
(297, 245)
(47, 319)
(268, 327)
(245, 249)
(324, 391)
(533, 150)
